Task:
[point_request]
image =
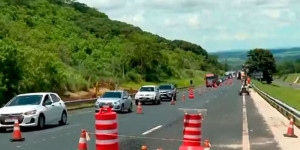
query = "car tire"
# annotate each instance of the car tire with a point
(136, 102)
(63, 119)
(41, 122)
(157, 101)
(130, 108)
(122, 109)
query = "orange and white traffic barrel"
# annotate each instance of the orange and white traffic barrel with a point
(192, 132)
(106, 130)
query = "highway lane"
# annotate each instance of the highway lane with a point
(223, 125)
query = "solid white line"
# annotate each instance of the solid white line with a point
(151, 130)
(246, 143)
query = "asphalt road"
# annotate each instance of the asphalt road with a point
(224, 125)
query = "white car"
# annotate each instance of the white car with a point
(148, 93)
(34, 109)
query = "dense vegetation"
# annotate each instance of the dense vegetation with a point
(288, 67)
(261, 60)
(59, 45)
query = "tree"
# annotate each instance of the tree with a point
(226, 67)
(261, 60)
(10, 73)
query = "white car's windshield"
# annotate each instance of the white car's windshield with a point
(147, 89)
(25, 100)
(112, 95)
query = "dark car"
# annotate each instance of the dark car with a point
(167, 91)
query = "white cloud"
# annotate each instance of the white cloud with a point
(273, 13)
(137, 18)
(170, 22)
(193, 21)
(242, 36)
(226, 22)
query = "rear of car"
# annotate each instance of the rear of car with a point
(167, 91)
(209, 80)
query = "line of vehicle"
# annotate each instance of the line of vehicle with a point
(152, 130)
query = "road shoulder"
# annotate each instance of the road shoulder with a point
(276, 122)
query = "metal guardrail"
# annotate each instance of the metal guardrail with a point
(81, 101)
(91, 100)
(290, 111)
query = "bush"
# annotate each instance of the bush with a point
(134, 76)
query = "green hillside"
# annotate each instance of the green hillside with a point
(290, 78)
(59, 45)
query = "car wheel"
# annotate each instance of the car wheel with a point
(122, 109)
(157, 101)
(63, 119)
(136, 102)
(154, 102)
(41, 122)
(130, 108)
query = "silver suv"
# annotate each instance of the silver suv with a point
(167, 91)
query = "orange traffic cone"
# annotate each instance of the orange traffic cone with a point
(144, 147)
(17, 136)
(207, 145)
(82, 141)
(290, 131)
(139, 108)
(191, 95)
(172, 101)
(183, 97)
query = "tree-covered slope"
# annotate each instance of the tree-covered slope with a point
(56, 45)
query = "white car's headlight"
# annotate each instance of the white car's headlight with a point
(97, 103)
(30, 112)
(116, 103)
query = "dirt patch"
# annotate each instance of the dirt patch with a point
(98, 90)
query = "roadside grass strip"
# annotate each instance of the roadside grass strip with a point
(287, 95)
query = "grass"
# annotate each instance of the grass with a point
(198, 80)
(287, 95)
(290, 78)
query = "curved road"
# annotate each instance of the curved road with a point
(228, 125)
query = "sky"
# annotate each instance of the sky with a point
(216, 25)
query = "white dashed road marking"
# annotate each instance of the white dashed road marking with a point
(151, 130)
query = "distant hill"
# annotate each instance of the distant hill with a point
(235, 58)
